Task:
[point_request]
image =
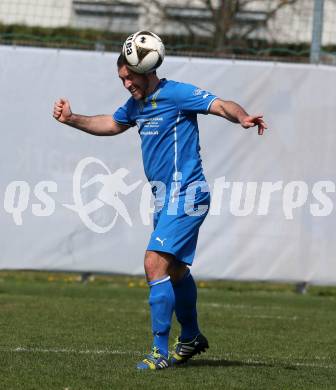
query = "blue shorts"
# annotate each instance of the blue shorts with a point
(177, 233)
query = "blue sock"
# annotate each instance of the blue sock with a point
(161, 300)
(185, 306)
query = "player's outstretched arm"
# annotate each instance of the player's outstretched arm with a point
(96, 125)
(235, 113)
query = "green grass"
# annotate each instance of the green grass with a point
(57, 333)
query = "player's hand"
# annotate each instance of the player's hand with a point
(251, 121)
(62, 111)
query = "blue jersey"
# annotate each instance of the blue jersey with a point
(167, 125)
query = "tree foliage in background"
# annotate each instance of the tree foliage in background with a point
(224, 18)
(230, 28)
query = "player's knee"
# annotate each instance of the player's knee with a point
(156, 266)
(151, 265)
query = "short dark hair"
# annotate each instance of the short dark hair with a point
(121, 61)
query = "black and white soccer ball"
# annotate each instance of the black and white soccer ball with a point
(144, 51)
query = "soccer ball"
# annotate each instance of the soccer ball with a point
(143, 51)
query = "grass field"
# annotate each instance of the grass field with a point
(58, 333)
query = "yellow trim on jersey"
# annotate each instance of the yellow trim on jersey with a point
(153, 101)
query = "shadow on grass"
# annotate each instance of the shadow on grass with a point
(233, 363)
(223, 363)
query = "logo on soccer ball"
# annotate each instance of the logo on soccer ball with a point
(144, 51)
(112, 185)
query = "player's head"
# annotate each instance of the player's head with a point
(136, 83)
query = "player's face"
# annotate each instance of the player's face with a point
(136, 83)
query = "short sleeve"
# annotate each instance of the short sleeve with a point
(123, 115)
(192, 99)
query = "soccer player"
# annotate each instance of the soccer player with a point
(165, 113)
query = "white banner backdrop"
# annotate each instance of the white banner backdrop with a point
(273, 214)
